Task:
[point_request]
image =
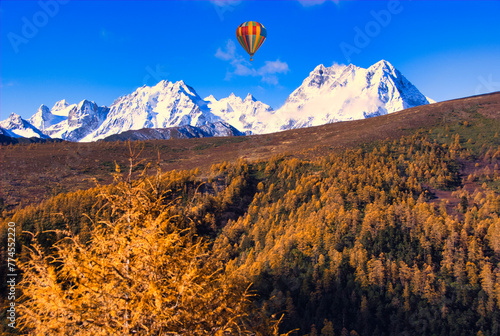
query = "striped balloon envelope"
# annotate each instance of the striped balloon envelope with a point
(251, 35)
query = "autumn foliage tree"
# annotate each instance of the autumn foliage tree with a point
(143, 272)
(396, 237)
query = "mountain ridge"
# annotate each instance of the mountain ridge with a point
(328, 94)
(217, 129)
(18, 127)
(346, 92)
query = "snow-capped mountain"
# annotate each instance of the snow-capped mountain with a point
(62, 108)
(247, 115)
(217, 129)
(18, 127)
(340, 93)
(166, 104)
(77, 121)
(69, 122)
(44, 118)
(328, 94)
(7, 133)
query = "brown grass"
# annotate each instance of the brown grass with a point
(33, 172)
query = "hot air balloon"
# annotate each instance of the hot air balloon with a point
(251, 35)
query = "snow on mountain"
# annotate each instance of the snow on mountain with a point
(247, 115)
(18, 127)
(69, 122)
(430, 100)
(62, 108)
(166, 104)
(44, 118)
(217, 129)
(328, 94)
(340, 93)
(81, 120)
(8, 133)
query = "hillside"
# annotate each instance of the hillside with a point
(71, 166)
(385, 226)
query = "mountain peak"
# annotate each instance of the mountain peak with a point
(182, 85)
(44, 109)
(329, 94)
(249, 97)
(159, 86)
(167, 104)
(177, 85)
(15, 118)
(44, 118)
(319, 69)
(340, 93)
(319, 76)
(383, 64)
(86, 102)
(211, 99)
(247, 115)
(323, 70)
(21, 127)
(60, 105)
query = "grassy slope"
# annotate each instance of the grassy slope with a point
(31, 173)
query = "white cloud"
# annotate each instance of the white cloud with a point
(241, 67)
(229, 54)
(274, 67)
(273, 80)
(243, 70)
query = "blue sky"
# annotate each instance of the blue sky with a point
(97, 50)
